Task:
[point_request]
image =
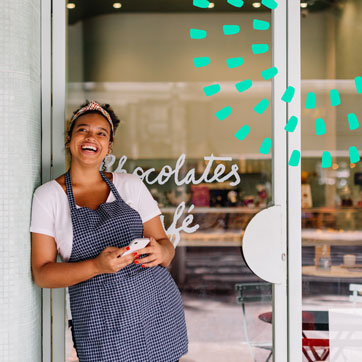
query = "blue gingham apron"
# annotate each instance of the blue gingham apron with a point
(134, 315)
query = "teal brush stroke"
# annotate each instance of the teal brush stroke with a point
(311, 100)
(201, 62)
(265, 146)
(230, 29)
(259, 48)
(204, 4)
(358, 82)
(261, 106)
(288, 94)
(244, 85)
(269, 73)
(223, 113)
(326, 159)
(242, 133)
(198, 34)
(236, 3)
(210, 90)
(354, 155)
(292, 124)
(352, 121)
(320, 126)
(335, 98)
(234, 62)
(294, 158)
(260, 24)
(270, 4)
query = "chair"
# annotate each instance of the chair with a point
(314, 349)
(254, 293)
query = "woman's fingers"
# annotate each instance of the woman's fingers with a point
(146, 259)
(149, 265)
(144, 251)
(120, 251)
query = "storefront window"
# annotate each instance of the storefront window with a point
(208, 181)
(331, 180)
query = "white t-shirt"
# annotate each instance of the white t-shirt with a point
(51, 212)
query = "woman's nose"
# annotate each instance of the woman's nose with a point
(89, 134)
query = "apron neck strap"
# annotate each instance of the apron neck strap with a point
(69, 188)
(111, 186)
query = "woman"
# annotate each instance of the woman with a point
(124, 308)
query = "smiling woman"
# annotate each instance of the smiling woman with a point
(89, 218)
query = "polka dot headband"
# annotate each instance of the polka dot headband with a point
(94, 106)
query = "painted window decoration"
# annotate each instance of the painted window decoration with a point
(268, 74)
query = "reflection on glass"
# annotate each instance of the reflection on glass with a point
(331, 183)
(207, 182)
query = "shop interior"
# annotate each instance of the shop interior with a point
(138, 57)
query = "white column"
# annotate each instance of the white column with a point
(20, 163)
(280, 332)
(294, 189)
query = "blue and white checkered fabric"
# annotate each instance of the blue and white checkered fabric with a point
(134, 315)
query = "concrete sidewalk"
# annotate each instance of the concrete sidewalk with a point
(216, 333)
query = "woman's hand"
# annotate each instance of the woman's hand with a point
(157, 254)
(110, 260)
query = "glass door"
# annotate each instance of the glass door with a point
(331, 180)
(202, 94)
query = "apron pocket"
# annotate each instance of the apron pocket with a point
(87, 313)
(123, 301)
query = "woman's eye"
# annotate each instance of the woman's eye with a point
(102, 133)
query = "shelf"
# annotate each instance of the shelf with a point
(247, 210)
(310, 237)
(332, 210)
(215, 210)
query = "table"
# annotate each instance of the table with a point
(337, 275)
(317, 348)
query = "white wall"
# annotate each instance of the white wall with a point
(20, 137)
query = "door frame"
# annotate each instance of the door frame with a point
(287, 296)
(53, 73)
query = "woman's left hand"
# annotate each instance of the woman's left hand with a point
(157, 254)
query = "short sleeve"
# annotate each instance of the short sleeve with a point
(147, 207)
(42, 220)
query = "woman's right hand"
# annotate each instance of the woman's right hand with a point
(110, 260)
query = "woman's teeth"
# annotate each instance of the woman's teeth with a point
(89, 148)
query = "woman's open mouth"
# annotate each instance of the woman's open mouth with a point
(89, 149)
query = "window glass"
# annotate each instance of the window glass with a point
(200, 163)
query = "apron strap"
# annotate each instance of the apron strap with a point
(111, 186)
(69, 188)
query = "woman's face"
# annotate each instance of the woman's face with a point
(90, 141)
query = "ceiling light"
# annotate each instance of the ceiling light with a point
(70, 5)
(117, 5)
(303, 5)
(256, 5)
(211, 5)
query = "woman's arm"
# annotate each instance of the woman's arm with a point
(161, 249)
(47, 273)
